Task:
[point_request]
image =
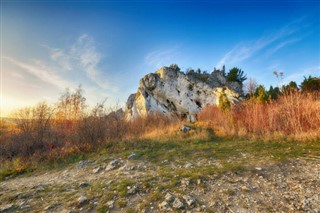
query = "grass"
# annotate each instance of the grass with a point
(182, 149)
(168, 167)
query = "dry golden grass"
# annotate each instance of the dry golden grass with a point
(295, 115)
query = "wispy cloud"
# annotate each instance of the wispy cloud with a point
(162, 57)
(83, 55)
(243, 51)
(44, 74)
(282, 45)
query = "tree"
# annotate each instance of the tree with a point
(261, 94)
(274, 92)
(236, 74)
(310, 84)
(292, 86)
(71, 105)
(190, 71)
(175, 67)
(251, 86)
(223, 70)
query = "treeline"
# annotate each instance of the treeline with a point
(235, 74)
(309, 84)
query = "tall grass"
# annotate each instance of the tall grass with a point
(295, 115)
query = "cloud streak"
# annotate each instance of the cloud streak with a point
(282, 45)
(243, 51)
(44, 74)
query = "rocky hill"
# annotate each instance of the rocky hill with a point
(173, 92)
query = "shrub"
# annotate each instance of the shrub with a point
(224, 103)
(294, 114)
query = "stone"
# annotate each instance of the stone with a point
(178, 94)
(7, 208)
(190, 200)
(169, 198)
(97, 170)
(185, 128)
(164, 206)
(84, 163)
(188, 165)
(83, 185)
(132, 155)
(185, 182)
(199, 181)
(177, 204)
(82, 200)
(132, 190)
(113, 165)
(110, 204)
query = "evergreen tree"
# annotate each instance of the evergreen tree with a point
(236, 74)
(310, 84)
(261, 94)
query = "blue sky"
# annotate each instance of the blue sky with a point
(107, 46)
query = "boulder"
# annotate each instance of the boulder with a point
(175, 93)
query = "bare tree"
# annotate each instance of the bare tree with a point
(251, 86)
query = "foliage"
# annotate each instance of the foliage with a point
(292, 86)
(224, 103)
(261, 94)
(174, 67)
(310, 84)
(236, 74)
(274, 93)
(190, 71)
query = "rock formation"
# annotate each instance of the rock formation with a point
(175, 93)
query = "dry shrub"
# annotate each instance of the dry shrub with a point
(294, 114)
(151, 126)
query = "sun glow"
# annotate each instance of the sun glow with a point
(11, 104)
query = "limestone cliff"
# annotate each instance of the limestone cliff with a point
(175, 93)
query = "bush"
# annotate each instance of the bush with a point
(224, 103)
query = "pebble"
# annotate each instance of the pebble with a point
(169, 198)
(83, 185)
(177, 204)
(82, 200)
(190, 200)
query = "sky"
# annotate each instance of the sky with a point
(108, 46)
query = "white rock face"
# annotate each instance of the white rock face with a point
(175, 93)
